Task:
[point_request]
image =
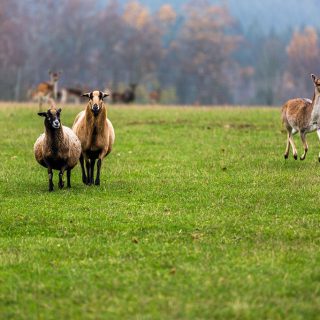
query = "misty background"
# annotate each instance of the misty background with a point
(201, 52)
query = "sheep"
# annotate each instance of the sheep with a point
(96, 135)
(58, 148)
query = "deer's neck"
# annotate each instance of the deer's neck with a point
(315, 115)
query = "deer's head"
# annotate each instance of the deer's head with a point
(54, 76)
(316, 82)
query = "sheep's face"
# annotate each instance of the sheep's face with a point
(52, 118)
(95, 101)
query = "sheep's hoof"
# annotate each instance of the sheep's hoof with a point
(84, 179)
(295, 156)
(302, 158)
(61, 185)
(286, 156)
(97, 183)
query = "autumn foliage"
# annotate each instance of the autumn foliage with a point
(199, 55)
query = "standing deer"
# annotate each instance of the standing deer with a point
(46, 90)
(303, 116)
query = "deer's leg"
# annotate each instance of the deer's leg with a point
(318, 133)
(305, 145)
(84, 176)
(294, 149)
(286, 153)
(40, 103)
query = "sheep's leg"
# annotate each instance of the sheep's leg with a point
(69, 178)
(88, 172)
(84, 176)
(305, 145)
(92, 162)
(61, 183)
(97, 182)
(50, 176)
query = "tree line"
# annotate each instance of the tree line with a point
(198, 56)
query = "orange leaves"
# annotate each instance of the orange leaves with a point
(136, 15)
(166, 14)
(304, 46)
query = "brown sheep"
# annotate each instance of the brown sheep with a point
(96, 134)
(303, 116)
(58, 148)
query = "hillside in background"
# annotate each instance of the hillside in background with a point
(277, 15)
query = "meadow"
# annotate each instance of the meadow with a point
(198, 216)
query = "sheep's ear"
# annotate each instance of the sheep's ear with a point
(42, 114)
(104, 94)
(313, 77)
(59, 110)
(88, 94)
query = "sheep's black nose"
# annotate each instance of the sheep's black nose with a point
(95, 107)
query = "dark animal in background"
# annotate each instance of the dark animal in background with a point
(128, 96)
(71, 94)
(116, 97)
(96, 134)
(58, 148)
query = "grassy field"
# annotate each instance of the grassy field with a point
(198, 217)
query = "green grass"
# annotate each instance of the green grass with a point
(198, 216)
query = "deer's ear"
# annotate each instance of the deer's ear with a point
(313, 77)
(42, 114)
(88, 94)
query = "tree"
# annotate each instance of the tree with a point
(303, 59)
(204, 51)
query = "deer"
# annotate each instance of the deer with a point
(46, 90)
(303, 116)
(155, 96)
